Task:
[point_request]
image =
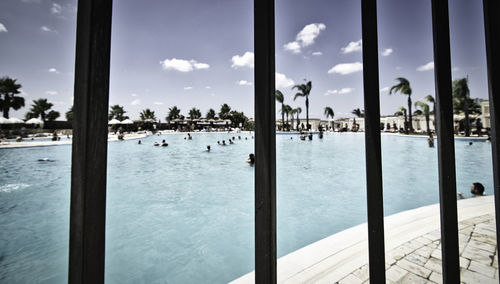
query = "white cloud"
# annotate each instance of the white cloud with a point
(426, 67)
(455, 69)
(246, 60)
(330, 92)
(3, 29)
(384, 89)
(182, 65)
(317, 53)
(282, 81)
(200, 65)
(53, 70)
(133, 95)
(293, 46)
(305, 37)
(158, 103)
(353, 46)
(51, 93)
(208, 87)
(244, 83)
(56, 9)
(340, 92)
(346, 68)
(135, 102)
(46, 29)
(188, 88)
(399, 67)
(345, 91)
(387, 52)
(309, 33)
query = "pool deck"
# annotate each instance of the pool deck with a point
(413, 250)
(64, 141)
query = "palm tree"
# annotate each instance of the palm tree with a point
(8, 99)
(297, 111)
(53, 115)
(286, 110)
(225, 111)
(292, 113)
(430, 99)
(173, 113)
(281, 99)
(147, 114)
(305, 90)
(211, 114)
(40, 108)
(194, 113)
(403, 87)
(402, 111)
(69, 114)
(461, 97)
(117, 112)
(357, 112)
(329, 112)
(425, 110)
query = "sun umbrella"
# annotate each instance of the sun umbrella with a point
(114, 121)
(4, 120)
(34, 121)
(15, 120)
(148, 120)
(127, 121)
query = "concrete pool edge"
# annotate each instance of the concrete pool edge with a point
(338, 255)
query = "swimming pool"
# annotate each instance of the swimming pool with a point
(178, 214)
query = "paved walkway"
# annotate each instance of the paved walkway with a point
(413, 250)
(419, 260)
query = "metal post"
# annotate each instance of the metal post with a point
(492, 34)
(265, 143)
(89, 154)
(373, 154)
(446, 146)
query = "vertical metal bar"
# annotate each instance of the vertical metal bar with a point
(89, 152)
(373, 154)
(265, 143)
(492, 33)
(446, 146)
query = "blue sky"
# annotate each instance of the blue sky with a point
(198, 53)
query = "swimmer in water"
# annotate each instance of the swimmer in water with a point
(251, 159)
(164, 144)
(218, 142)
(208, 148)
(45, 160)
(231, 141)
(223, 142)
(139, 142)
(156, 144)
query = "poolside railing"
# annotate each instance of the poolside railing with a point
(89, 152)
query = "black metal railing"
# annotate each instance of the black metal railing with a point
(89, 154)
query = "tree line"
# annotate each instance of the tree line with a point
(462, 103)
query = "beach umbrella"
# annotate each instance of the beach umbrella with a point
(15, 120)
(4, 120)
(114, 121)
(127, 121)
(34, 121)
(147, 120)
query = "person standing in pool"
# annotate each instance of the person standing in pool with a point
(477, 189)
(251, 159)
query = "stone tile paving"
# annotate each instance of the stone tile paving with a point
(419, 260)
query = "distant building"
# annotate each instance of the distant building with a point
(485, 113)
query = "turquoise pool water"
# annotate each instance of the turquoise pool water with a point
(182, 215)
